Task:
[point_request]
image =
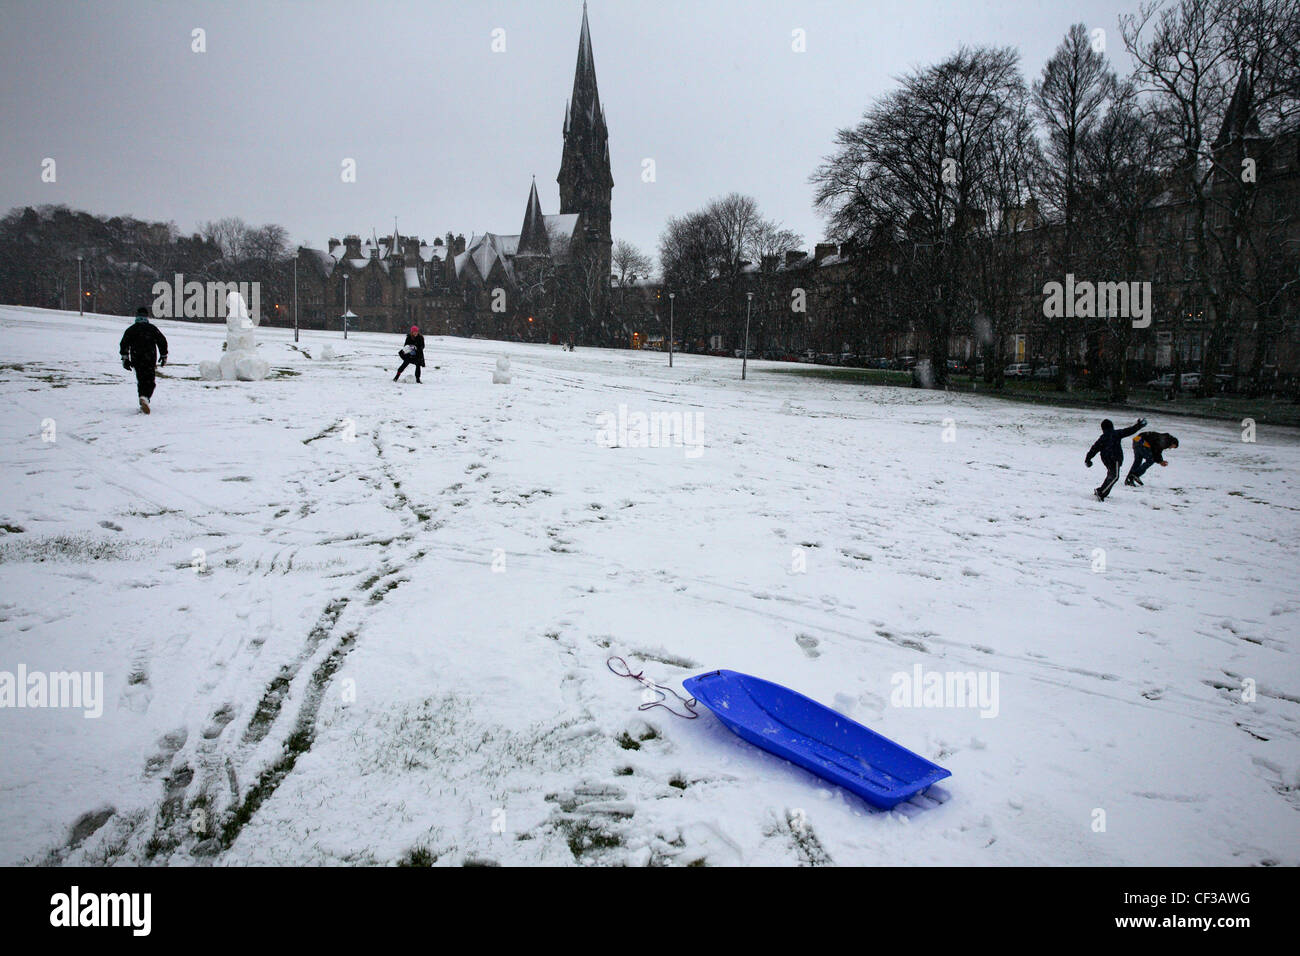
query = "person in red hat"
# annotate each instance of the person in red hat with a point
(412, 353)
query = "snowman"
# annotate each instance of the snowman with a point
(240, 361)
(502, 374)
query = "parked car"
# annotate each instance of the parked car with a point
(1166, 381)
(905, 362)
(827, 358)
(1046, 372)
(1016, 370)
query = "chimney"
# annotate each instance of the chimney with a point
(334, 244)
(460, 244)
(822, 251)
(352, 247)
(793, 256)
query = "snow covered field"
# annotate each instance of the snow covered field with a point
(343, 621)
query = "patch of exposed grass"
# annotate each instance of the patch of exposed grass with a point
(858, 376)
(418, 856)
(585, 837)
(71, 547)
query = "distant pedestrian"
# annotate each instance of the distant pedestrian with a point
(412, 353)
(143, 344)
(1112, 453)
(1148, 450)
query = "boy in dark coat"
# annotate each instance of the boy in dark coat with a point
(142, 344)
(1112, 453)
(412, 353)
(1147, 451)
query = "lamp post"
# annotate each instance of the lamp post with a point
(744, 362)
(671, 304)
(81, 306)
(295, 299)
(346, 310)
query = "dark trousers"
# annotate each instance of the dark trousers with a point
(144, 378)
(1143, 458)
(1112, 476)
(403, 369)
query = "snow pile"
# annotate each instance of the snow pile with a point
(328, 354)
(241, 361)
(502, 374)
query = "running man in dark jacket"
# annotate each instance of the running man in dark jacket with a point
(415, 343)
(1147, 451)
(142, 344)
(1112, 453)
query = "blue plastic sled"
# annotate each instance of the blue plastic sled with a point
(815, 737)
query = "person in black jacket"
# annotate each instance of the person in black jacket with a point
(412, 353)
(1147, 451)
(1112, 453)
(142, 344)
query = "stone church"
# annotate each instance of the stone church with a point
(545, 283)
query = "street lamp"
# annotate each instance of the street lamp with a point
(671, 304)
(346, 310)
(295, 298)
(81, 305)
(749, 306)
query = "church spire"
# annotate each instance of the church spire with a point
(533, 240)
(586, 180)
(584, 105)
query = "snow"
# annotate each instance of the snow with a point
(375, 617)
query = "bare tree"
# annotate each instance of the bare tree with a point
(911, 170)
(230, 235)
(1219, 76)
(629, 263)
(1070, 99)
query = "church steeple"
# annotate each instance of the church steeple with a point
(585, 179)
(533, 240)
(585, 165)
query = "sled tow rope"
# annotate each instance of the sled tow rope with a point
(650, 686)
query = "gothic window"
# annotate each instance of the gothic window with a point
(374, 293)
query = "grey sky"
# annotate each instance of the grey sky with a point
(446, 134)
